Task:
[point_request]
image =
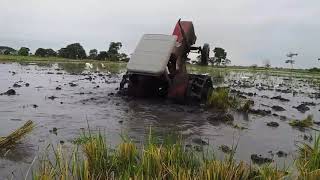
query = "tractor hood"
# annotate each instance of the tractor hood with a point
(152, 54)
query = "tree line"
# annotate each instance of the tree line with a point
(219, 58)
(72, 51)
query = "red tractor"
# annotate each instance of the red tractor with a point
(157, 68)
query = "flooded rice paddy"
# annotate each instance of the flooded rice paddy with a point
(65, 98)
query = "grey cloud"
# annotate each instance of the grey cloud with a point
(249, 30)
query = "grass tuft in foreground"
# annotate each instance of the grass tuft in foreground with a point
(308, 162)
(168, 160)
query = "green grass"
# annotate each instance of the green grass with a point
(284, 72)
(69, 65)
(304, 123)
(166, 160)
(308, 162)
(32, 58)
(212, 70)
(221, 99)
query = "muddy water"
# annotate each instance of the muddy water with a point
(87, 97)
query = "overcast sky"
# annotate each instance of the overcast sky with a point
(250, 30)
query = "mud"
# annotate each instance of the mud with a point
(75, 96)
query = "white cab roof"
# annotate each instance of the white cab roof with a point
(152, 54)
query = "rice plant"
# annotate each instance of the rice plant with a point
(246, 106)
(221, 99)
(269, 172)
(216, 170)
(308, 162)
(167, 160)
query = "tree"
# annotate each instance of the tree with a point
(267, 63)
(73, 51)
(113, 51)
(220, 56)
(63, 52)
(291, 61)
(6, 52)
(114, 47)
(23, 51)
(93, 53)
(40, 52)
(103, 55)
(45, 52)
(51, 52)
(124, 57)
(225, 62)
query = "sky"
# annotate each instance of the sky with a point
(251, 31)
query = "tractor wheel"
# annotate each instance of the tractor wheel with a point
(199, 88)
(205, 54)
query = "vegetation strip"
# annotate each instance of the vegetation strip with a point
(170, 159)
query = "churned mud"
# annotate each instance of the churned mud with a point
(63, 99)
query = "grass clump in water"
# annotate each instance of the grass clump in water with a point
(221, 99)
(246, 106)
(307, 122)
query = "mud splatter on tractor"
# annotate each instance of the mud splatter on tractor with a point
(157, 67)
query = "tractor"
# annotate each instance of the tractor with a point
(157, 67)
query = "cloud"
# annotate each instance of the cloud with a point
(249, 30)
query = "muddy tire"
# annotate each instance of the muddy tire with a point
(205, 54)
(198, 88)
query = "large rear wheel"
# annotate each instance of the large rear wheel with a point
(199, 87)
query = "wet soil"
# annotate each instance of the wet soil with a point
(63, 99)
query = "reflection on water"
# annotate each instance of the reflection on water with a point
(76, 68)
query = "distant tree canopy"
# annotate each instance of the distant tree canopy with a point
(93, 53)
(114, 47)
(73, 51)
(23, 51)
(124, 57)
(103, 55)
(314, 69)
(220, 57)
(45, 52)
(113, 51)
(7, 50)
(266, 63)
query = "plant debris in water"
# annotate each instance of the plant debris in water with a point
(16, 136)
